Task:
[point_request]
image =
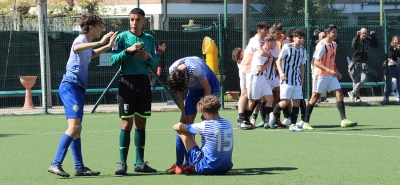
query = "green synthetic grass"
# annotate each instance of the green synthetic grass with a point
(366, 154)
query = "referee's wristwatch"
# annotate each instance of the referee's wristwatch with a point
(149, 59)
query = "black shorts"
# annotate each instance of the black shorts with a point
(134, 96)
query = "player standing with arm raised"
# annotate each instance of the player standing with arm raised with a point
(72, 90)
(134, 50)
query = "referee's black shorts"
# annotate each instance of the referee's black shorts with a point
(134, 96)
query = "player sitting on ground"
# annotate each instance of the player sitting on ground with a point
(215, 155)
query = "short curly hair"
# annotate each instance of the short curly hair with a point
(209, 103)
(177, 81)
(236, 54)
(88, 20)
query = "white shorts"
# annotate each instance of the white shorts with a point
(257, 87)
(323, 83)
(293, 92)
(274, 83)
(242, 77)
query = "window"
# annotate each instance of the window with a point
(378, 1)
(208, 1)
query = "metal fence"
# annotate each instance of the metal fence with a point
(19, 53)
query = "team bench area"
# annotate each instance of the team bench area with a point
(369, 85)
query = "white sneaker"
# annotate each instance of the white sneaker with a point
(300, 124)
(253, 119)
(393, 94)
(351, 95)
(272, 120)
(294, 128)
(287, 121)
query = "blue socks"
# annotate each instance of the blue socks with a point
(62, 150)
(180, 151)
(77, 153)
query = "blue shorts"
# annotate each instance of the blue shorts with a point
(196, 159)
(193, 97)
(72, 97)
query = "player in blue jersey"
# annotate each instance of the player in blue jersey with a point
(72, 90)
(215, 155)
(192, 73)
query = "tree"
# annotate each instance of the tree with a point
(291, 12)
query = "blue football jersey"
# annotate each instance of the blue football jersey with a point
(217, 142)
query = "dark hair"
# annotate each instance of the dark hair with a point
(278, 25)
(177, 81)
(289, 32)
(88, 20)
(262, 25)
(236, 54)
(160, 43)
(329, 27)
(299, 33)
(272, 29)
(137, 11)
(209, 103)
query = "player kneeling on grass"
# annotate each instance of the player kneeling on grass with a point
(258, 87)
(72, 90)
(215, 155)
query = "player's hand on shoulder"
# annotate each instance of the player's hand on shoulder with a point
(372, 32)
(112, 39)
(106, 37)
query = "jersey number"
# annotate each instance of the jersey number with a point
(227, 137)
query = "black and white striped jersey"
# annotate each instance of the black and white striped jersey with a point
(291, 61)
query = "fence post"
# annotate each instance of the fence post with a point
(388, 81)
(44, 62)
(220, 62)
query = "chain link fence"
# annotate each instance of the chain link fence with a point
(20, 56)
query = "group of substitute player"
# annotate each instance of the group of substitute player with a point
(273, 64)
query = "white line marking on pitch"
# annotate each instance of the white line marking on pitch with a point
(304, 132)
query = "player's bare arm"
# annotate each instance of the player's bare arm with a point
(339, 74)
(278, 65)
(99, 51)
(317, 63)
(85, 46)
(302, 74)
(180, 127)
(179, 98)
(262, 52)
(265, 66)
(206, 86)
